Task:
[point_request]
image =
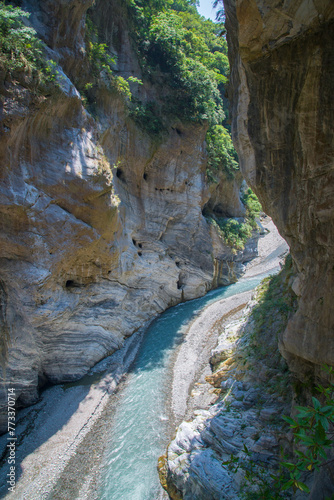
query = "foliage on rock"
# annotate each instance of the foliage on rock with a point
(313, 431)
(179, 51)
(236, 231)
(182, 52)
(221, 153)
(313, 435)
(20, 48)
(101, 68)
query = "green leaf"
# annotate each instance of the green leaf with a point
(289, 465)
(307, 440)
(287, 485)
(324, 422)
(316, 403)
(290, 421)
(322, 453)
(301, 486)
(328, 410)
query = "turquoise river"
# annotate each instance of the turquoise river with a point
(141, 427)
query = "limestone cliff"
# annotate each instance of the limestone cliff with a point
(281, 90)
(101, 223)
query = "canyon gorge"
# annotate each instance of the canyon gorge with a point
(106, 222)
(102, 225)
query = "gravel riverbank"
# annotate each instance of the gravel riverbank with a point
(230, 407)
(192, 361)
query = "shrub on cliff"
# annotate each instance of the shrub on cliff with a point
(221, 153)
(101, 68)
(253, 206)
(20, 48)
(184, 54)
(236, 231)
(181, 51)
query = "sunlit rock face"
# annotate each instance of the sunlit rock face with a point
(101, 224)
(281, 89)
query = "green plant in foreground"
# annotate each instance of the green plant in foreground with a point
(313, 430)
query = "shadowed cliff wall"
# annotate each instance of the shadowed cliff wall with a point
(281, 91)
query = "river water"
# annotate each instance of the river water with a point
(141, 425)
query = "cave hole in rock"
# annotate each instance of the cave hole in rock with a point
(72, 284)
(181, 281)
(205, 211)
(120, 175)
(217, 211)
(44, 381)
(177, 130)
(134, 242)
(177, 263)
(145, 176)
(140, 245)
(140, 254)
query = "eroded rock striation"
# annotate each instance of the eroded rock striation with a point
(281, 90)
(101, 223)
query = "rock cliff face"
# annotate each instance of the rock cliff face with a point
(101, 224)
(281, 89)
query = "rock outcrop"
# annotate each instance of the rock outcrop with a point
(281, 92)
(101, 223)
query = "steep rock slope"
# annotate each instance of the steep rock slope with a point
(281, 88)
(101, 224)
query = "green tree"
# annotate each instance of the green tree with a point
(20, 48)
(174, 40)
(221, 153)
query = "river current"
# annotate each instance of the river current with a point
(140, 428)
